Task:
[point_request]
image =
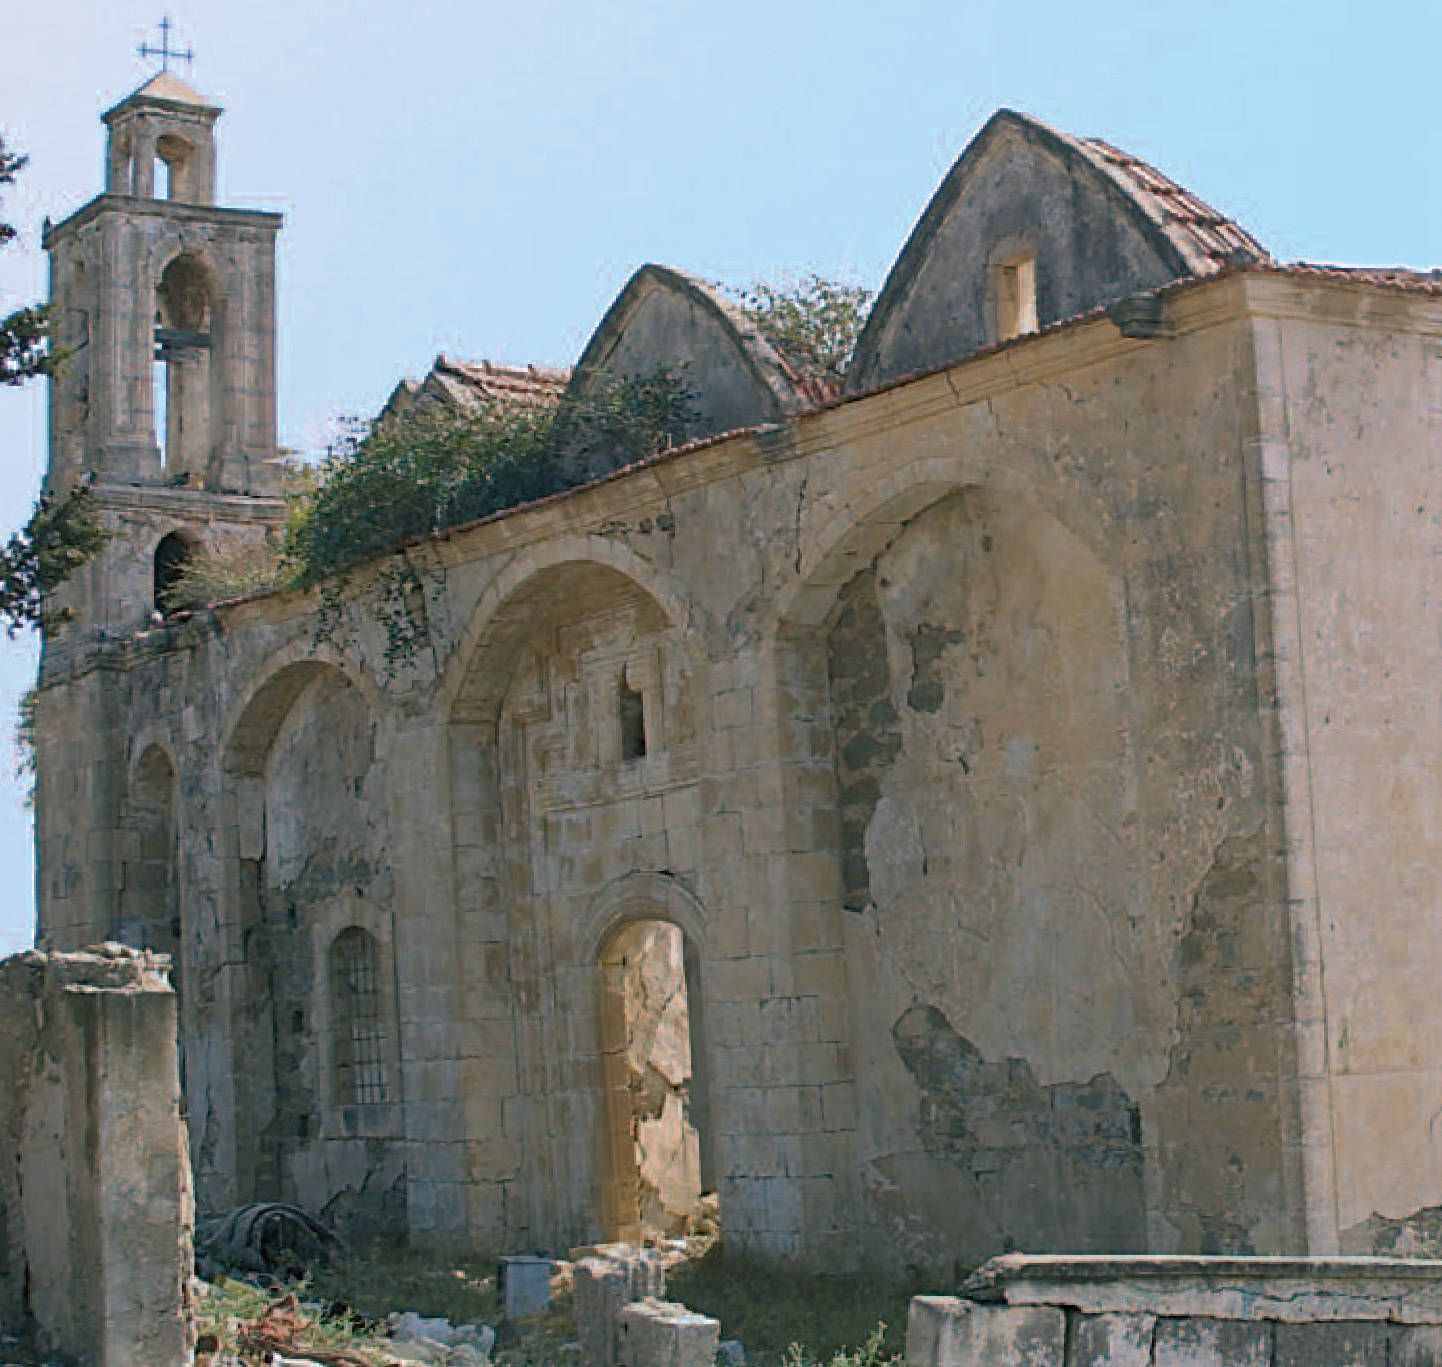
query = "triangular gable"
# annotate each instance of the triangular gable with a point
(663, 319)
(1097, 223)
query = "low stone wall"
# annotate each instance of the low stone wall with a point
(95, 1202)
(1022, 1311)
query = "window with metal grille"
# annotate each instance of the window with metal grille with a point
(358, 1057)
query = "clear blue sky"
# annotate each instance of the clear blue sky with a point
(482, 177)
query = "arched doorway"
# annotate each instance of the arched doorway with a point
(653, 1109)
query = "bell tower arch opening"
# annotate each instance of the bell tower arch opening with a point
(188, 394)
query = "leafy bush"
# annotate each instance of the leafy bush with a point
(438, 467)
(62, 534)
(251, 567)
(812, 320)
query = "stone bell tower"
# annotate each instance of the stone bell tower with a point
(165, 305)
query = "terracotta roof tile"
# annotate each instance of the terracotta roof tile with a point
(1217, 239)
(487, 382)
(1395, 277)
(474, 384)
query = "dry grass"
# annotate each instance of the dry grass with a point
(785, 1318)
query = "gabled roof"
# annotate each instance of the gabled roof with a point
(790, 388)
(1100, 222)
(665, 320)
(477, 384)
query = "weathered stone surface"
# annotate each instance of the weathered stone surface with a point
(1296, 1290)
(95, 1200)
(655, 1333)
(1332, 1345)
(1199, 1342)
(1112, 1340)
(943, 1331)
(1416, 1346)
(602, 1287)
(525, 1285)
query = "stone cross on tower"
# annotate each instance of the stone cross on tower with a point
(165, 52)
(165, 303)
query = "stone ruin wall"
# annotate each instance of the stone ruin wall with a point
(959, 783)
(95, 1198)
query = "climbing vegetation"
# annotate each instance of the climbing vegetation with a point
(394, 481)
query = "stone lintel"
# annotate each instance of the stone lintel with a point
(1295, 1290)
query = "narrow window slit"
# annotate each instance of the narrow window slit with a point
(633, 721)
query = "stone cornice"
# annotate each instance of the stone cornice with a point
(175, 212)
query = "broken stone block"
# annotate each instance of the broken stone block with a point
(601, 1286)
(1114, 1340)
(730, 1353)
(654, 1333)
(944, 1331)
(525, 1285)
(1199, 1342)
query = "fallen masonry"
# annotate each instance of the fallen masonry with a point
(1048, 1311)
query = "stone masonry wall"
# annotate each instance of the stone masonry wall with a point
(95, 1202)
(960, 779)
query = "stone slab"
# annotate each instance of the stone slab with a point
(1417, 1347)
(1289, 1290)
(525, 1282)
(946, 1331)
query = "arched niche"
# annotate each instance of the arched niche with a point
(310, 822)
(174, 553)
(665, 320)
(1065, 223)
(965, 651)
(550, 808)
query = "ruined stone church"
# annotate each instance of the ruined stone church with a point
(1004, 794)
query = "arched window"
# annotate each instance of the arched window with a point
(358, 1041)
(172, 161)
(172, 555)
